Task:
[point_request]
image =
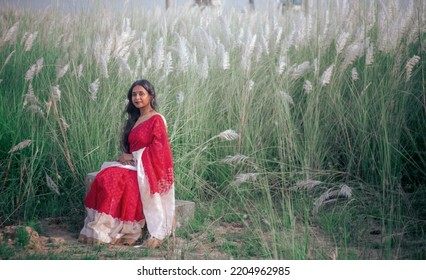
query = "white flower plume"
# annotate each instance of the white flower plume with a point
(20, 146)
(229, 135)
(93, 89)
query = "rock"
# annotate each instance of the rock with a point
(29, 238)
(184, 209)
(56, 240)
(44, 239)
(89, 180)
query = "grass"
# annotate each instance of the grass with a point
(268, 82)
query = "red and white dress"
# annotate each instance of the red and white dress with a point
(123, 198)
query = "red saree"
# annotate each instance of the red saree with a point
(123, 198)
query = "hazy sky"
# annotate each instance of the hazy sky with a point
(117, 3)
(71, 5)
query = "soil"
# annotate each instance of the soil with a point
(55, 238)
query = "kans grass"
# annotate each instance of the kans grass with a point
(304, 127)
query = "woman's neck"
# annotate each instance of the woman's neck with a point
(146, 111)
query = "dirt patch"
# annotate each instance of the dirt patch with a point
(55, 238)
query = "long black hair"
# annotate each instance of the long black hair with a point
(134, 113)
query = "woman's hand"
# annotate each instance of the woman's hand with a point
(126, 159)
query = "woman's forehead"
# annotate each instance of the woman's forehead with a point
(139, 88)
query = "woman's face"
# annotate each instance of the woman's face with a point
(140, 97)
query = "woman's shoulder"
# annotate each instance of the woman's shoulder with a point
(161, 118)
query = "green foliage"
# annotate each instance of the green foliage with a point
(366, 132)
(22, 237)
(6, 252)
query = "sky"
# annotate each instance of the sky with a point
(70, 5)
(41, 4)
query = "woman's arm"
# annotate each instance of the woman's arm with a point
(126, 159)
(157, 159)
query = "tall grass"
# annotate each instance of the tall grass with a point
(328, 102)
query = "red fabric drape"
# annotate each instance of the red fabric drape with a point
(115, 190)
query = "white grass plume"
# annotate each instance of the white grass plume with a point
(30, 98)
(39, 65)
(107, 48)
(62, 71)
(137, 66)
(193, 58)
(326, 76)
(332, 196)
(300, 69)
(248, 51)
(244, 177)
(78, 71)
(168, 64)
(62, 66)
(325, 37)
(353, 51)
(369, 56)
(29, 75)
(35, 109)
(52, 186)
(341, 42)
(279, 32)
(410, 65)
(235, 159)
(229, 135)
(345, 191)
(315, 65)
(240, 37)
(11, 34)
(158, 58)
(65, 125)
(281, 64)
(184, 57)
(30, 40)
(48, 105)
(224, 57)
(307, 86)
(24, 38)
(308, 184)
(204, 68)
(146, 67)
(104, 66)
(354, 74)
(20, 146)
(287, 98)
(180, 97)
(226, 30)
(97, 48)
(93, 89)
(264, 44)
(250, 85)
(56, 93)
(124, 67)
(34, 69)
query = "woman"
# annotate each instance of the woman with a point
(138, 188)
